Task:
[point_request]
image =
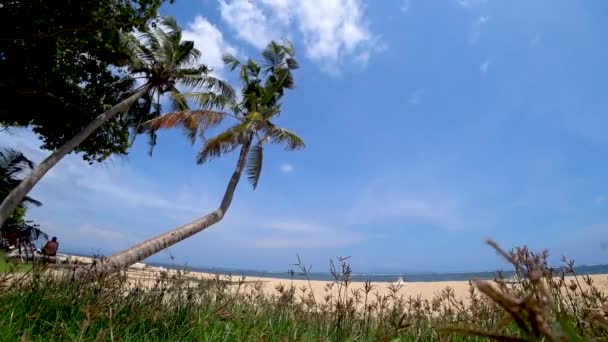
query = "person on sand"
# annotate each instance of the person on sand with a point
(51, 247)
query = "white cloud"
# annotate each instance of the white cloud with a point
(287, 168)
(405, 6)
(101, 233)
(210, 41)
(281, 8)
(333, 31)
(535, 40)
(334, 28)
(111, 180)
(307, 242)
(476, 28)
(415, 97)
(292, 226)
(484, 67)
(471, 3)
(413, 198)
(88, 238)
(248, 20)
(290, 234)
(442, 213)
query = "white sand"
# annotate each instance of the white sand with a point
(147, 275)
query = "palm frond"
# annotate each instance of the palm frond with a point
(186, 53)
(206, 99)
(253, 168)
(152, 40)
(282, 136)
(292, 63)
(144, 110)
(222, 143)
(210, 84)
(273, 56)
(178, 102)
(29, 200)
(252, 69)
(151, 142)
(288, 48)
(284, 78)
(132, 47)
(230, 61)
(13, 162)
(29, 231)
(273, 89)
(171, 24)
(192, 121)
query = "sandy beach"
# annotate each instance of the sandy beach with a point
(425, 290)
(146, 275)
(319, 288)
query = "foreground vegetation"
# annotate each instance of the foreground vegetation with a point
(541, 304)
(8, 266)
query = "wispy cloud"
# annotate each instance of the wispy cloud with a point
(476, 28)
(113, 179)
(287, 168)
(414, 197)
(73, 193)
(535, 40)
(89, 238)
(295, 226)
(415, 97)
(300, 234)
(405, 6)
(98, 233)
(425, 209)
(471, 3)
(484, 67)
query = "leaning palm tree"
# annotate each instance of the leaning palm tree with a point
(263, 89)
(162, 60)
(14, 165)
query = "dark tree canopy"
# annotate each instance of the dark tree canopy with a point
(60, 67)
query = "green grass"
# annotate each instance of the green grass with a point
(7, 265)
(38, 307)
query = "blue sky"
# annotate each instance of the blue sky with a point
(430, 126)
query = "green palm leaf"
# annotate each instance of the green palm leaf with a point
(282, 136)
(273, 56)
(209, 84)
(222, 143)
(288, 47)
(160, 56)
(254, 164)
(230, 61)
(207, 99)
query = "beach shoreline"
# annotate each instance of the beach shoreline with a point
(147, 275)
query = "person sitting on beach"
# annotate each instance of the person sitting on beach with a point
(51, 247)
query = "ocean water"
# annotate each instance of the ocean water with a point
(360, 277)
(413, 277)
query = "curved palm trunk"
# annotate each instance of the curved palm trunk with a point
(152, 246)
(25, 186)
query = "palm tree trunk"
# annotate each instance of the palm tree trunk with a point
(152, 246)
(25, 186)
